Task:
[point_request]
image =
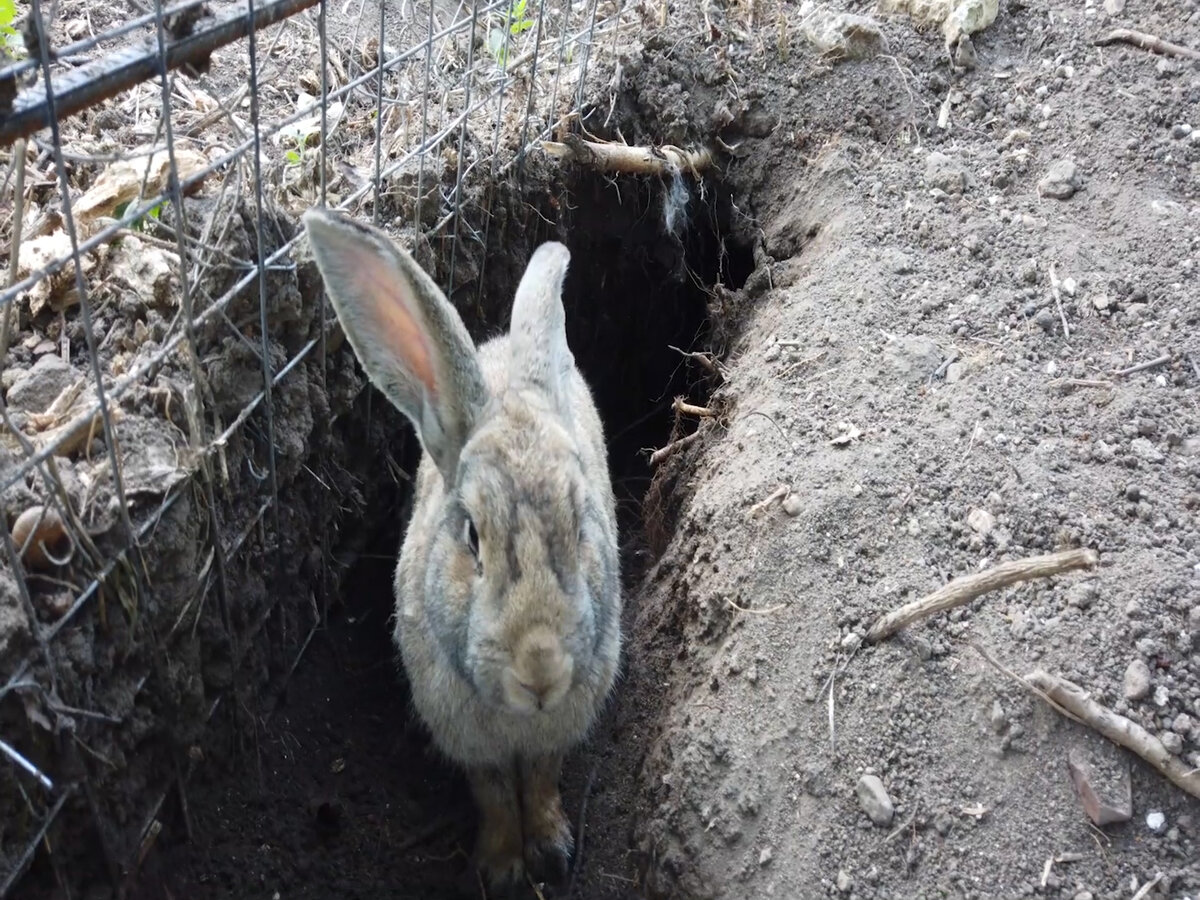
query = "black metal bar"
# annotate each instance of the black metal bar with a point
(90, 84)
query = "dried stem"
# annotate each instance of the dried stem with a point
(1116, 728)
(968, 587)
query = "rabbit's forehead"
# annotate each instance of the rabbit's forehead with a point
(497, 478)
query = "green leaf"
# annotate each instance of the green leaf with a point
(8, 13)
(495, 44)
(292, 157)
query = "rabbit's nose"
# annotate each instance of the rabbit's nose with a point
(540, 673)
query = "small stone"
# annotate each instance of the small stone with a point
(40, 386)
(1181, 131)
(1069, 286)
(1114, 7)
(765, 856)
(1183, 724)
(981, 521)
(955, 372)
(1052, 368)
(1161, 695)
(1084, 895)
(852, 642)
(945, 173)
(1102, 301)
(1172, 742)
(1061, 180)
(1144, 449)
(942, 823)
(772, 353)
(1046, 321)
(1156, 821)
(964, 53)
(874, 799)
(1082, 594)
(912, 358)
(1101, 777)
(791, 504)
(1137, 680)
(997, 718)
(845, 884)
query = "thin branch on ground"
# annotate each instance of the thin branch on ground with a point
(1142, 367)
(1054, 289)
(966, 588)
(1116, 728)
(1146, 42)
(776, 496)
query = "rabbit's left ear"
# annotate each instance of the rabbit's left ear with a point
(408, 337)
(539, 355)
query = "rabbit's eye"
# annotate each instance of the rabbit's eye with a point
(471, 537)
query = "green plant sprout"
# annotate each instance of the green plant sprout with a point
(519, 21)
(12, 39)
(139, 224)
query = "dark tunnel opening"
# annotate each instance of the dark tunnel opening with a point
(345, 797)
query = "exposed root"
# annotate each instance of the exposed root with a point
(683, 408)
(968, 587)
(662, 453)
(626, 160)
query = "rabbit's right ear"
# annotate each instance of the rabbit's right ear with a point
(410, 340)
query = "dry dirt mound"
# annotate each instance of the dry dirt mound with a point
(935, 366)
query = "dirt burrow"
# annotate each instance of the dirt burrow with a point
(883, 248)
(905, 372)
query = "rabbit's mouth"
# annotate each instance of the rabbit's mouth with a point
(540, 674)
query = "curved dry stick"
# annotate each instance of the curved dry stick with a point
(1146, 42)
(968, 587)
(1116, 728)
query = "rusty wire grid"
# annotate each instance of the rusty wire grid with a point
(164, 135)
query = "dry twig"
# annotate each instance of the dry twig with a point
(968, 587)
(1147, 887)
(1054, 290)
(777, 495)
(1142, 367)
(1146, 42)
(1116, 728)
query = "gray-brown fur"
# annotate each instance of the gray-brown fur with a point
(511, 651)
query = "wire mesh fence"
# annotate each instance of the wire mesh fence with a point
(163, 350)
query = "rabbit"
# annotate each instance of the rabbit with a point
(508, 597)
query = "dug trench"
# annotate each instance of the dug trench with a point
(336, 791)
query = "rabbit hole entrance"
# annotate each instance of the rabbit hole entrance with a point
(354, 802)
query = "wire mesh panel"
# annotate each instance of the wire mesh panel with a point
(169, 459)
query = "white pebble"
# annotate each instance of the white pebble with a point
(1156, 821)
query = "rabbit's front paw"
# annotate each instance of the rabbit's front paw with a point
(500, 850)
(548, 841)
